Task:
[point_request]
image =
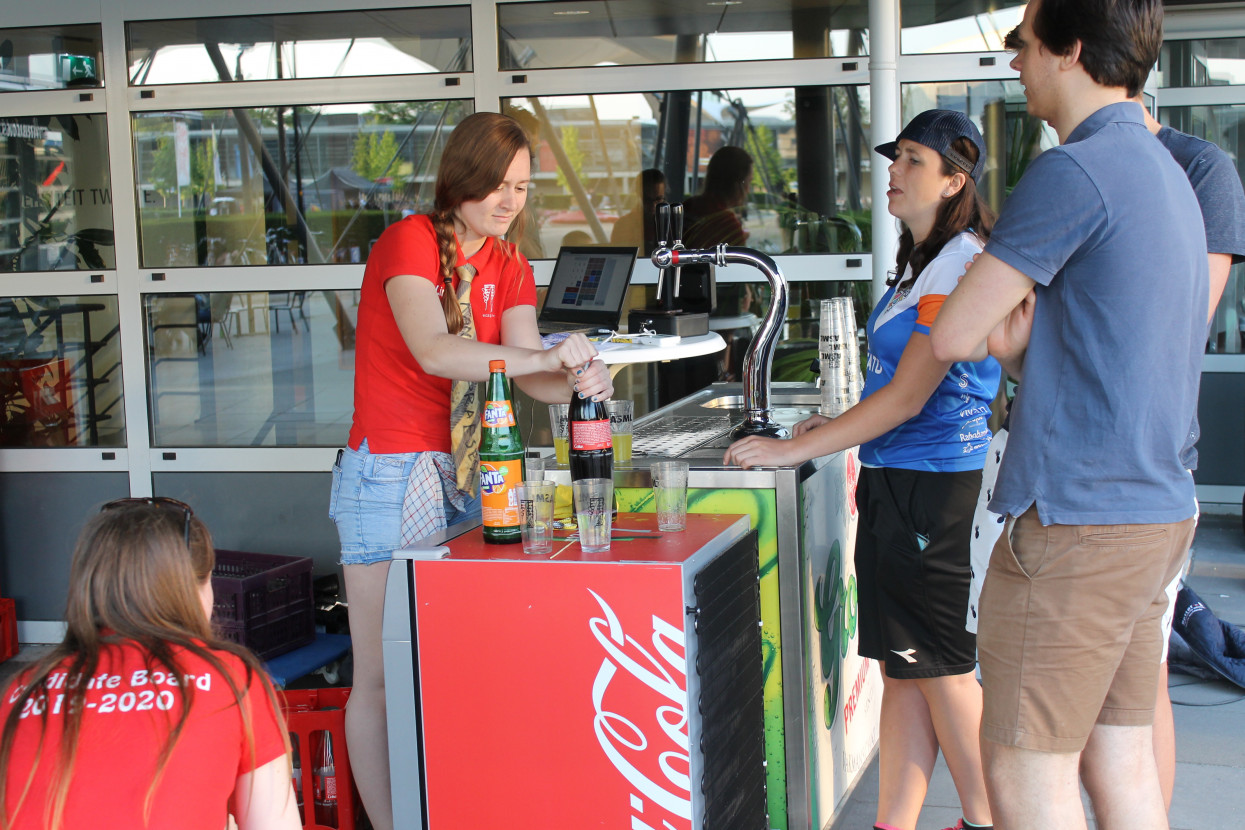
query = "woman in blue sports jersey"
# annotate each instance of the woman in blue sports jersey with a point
(921, 427)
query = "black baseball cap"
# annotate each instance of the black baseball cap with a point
(937, 130)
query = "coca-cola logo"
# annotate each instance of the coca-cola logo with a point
(648, 749)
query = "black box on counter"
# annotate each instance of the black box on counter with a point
(667, 322)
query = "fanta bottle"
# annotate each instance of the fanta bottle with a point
(501, 460)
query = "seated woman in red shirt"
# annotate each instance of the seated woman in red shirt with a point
(141, 717)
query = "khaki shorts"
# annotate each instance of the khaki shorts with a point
(1070, 630)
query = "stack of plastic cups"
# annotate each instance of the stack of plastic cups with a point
(834, 346)
(847, 310)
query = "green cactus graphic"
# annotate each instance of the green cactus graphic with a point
(829, 598)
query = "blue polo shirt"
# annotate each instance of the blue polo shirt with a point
(1218, 190)
(1109, 229)
(1217, 186)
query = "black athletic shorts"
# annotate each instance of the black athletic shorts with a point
(912, 569)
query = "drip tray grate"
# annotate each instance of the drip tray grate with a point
(675, 435)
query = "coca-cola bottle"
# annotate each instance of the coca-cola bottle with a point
(325, 782)
(501, 460)
(592, 448)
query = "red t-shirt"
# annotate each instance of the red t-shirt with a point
(398, 407)
(130, 709)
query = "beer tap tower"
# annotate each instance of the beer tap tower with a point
(667, 316)
(759, 361)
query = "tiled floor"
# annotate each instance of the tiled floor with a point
(1210, 716)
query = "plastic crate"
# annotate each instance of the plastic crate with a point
(309, 714)
(8, 629)
(263, 601)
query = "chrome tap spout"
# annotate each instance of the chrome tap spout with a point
(759, 361)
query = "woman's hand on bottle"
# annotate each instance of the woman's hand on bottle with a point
(811, 422)
(586, 374)
(573, 352)
(591, 381)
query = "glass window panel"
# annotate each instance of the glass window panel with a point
(808, 190)
(51, 57)
(56, 196)
(1013, 137)
(60, 372)
(257, 369)
(1225, 126)
(937, 27)
(285, 185)
(322, 45)
(1186, 63)
(629, 32)
(40, 519)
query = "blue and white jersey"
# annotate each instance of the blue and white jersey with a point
(950, 433)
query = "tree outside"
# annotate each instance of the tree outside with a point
(374, 153)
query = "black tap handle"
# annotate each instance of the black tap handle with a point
(663, 224)
(677, 216)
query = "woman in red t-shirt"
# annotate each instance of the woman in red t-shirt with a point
(141, 717)
(397, 480)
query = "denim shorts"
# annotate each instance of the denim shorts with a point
(366, 503)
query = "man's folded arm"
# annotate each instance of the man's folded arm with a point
(985, 296)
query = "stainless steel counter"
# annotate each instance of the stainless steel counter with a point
(698, 426)
(697, 430)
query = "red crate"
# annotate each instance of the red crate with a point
(8, 629)
(263, 601)
(310, 713)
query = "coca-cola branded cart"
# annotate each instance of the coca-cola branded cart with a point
(821, 699)
(578, 690)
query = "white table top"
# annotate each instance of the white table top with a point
(686, 347)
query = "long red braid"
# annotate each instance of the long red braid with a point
(447, 248)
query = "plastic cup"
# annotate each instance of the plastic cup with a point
(840, 357)
(536, 515)
(594, 502)
(533, 468)
(670, 494)
(621, 415)
(560, 424)
(847, 313)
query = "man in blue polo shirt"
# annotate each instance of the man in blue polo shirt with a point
(1098, 263)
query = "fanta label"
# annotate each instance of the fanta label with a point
(499, 504)
(498, 414)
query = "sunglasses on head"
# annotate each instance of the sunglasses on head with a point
(160, 501)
